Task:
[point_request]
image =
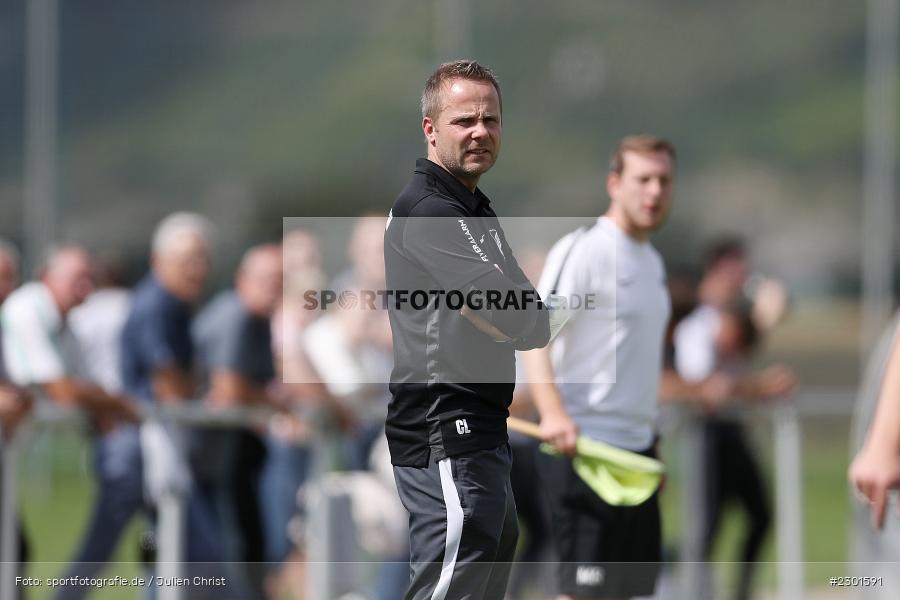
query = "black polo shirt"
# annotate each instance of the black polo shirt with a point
(451, 384)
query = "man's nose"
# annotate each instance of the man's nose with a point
(479, 130)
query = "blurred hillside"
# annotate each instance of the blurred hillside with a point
(255, 111)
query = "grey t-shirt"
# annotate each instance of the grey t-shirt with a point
(227, 336)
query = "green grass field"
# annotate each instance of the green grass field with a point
(56, 493)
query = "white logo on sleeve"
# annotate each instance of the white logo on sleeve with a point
(589, 575)
(462, 427)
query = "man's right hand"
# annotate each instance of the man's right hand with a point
(560, 430)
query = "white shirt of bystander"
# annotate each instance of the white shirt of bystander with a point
(38, 347)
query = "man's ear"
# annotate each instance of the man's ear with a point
(612, 182)
(428, 129)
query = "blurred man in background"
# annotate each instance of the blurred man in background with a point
(288, 454)
(350, 345)
(600, 378)
(41, 350)
(158, 352)
(15, 401)
(233, 340)
(97, 324)
(718, 337)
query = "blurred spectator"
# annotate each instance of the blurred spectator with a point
(15, 401)
(233, 339)
(9, 269)
(158, 353)
(875, 469)
(41, 350)
(350, 348)
(350, 344)
(718, 337)
(98, 322)
(288, 460)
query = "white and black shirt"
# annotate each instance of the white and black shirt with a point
(451, 384)
(608, 357)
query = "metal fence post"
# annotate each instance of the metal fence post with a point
(789, 502)
(9, 558)
(170, 541)
(694, 570)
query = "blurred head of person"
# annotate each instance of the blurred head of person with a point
(726, 269)
(366, 251)
(180, 254)
(682, 284)
(461, 114)
(9, 269)
(110, 271)
(68, 272)
(639, 184)
(259, 279)
(301, 251)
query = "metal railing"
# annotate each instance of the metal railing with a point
(787, 434)
(170, 508)
(786, 423)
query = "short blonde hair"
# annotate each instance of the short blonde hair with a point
(642, 144)
(457, 69)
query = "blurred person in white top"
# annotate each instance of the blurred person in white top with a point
(15, 401)
(350, 344)
(39, 347)
(97, 324)
(601, 375)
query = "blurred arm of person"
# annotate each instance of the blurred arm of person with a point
(445, 252)
(15, 405)
(299, 383)
(230, 388)
(772, 382)
(708, 394)
(557, 427)
(770, 303)
(876, 468)
(72, 392)
(171, 384)
(695, 380)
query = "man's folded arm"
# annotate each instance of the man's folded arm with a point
(518, 312)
